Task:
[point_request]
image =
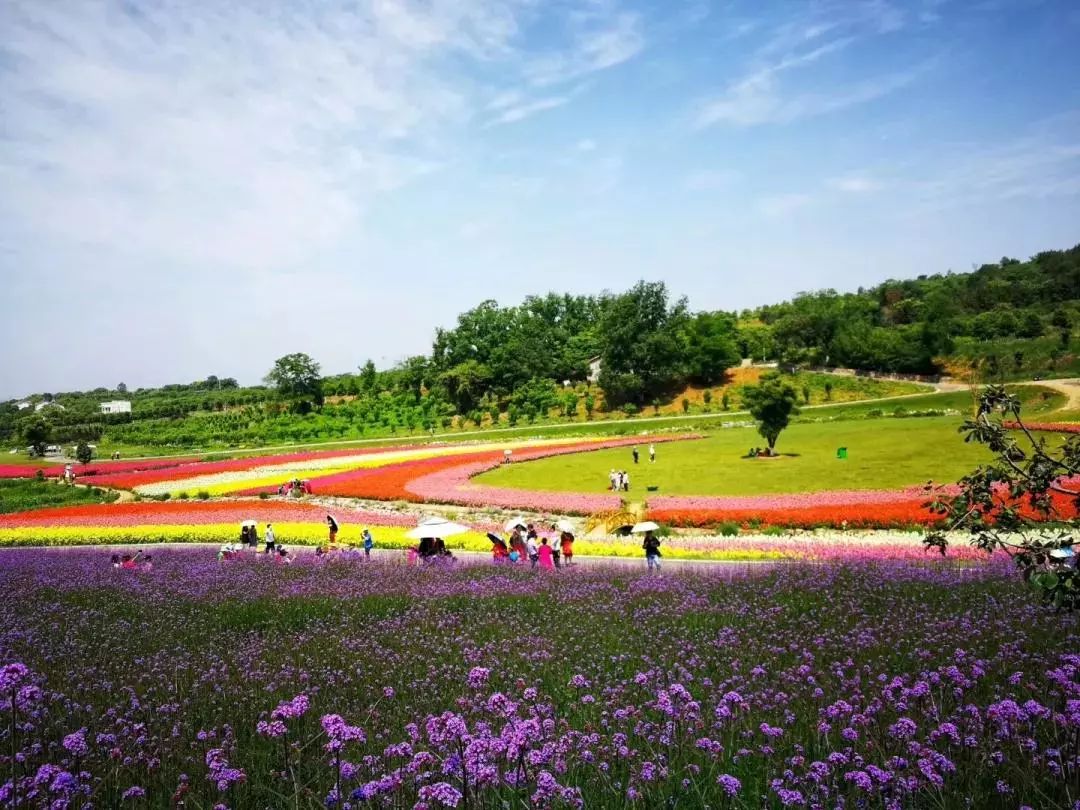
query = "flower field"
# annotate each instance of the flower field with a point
(302, 524)
(351, 685)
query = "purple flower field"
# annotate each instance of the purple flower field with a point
(352, 685)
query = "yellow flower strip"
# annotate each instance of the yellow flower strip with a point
(311, 534)
(195, 484)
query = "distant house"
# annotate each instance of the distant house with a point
(116, 406)
(594, 369)
(22, 406)
(50, 404)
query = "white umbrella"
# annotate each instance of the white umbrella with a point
(646, 526)
(436, 527)
(250, 523)
(564, 526)
(514, 523)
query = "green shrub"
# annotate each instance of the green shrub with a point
(183, 496)
(203, 495)
(728, 528)
(263, 496)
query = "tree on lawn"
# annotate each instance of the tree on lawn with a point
(36, 435)
(1018, 502)
(772, 403)
(297, 379)
(83, 453)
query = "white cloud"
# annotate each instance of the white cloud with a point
(779, 205)
(602, 40)
(760, 94)
(527, 109)
(585, 145)
(854, 183)
(710, 179)
(252, 135)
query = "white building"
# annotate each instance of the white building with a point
(116, 406)
(594, 369)
(50, 404)
(22, 406)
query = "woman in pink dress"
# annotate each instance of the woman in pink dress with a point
(547, 561)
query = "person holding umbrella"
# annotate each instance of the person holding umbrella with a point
(650, 543)
(566, 540)
(331, 524)
(431, 532)
(499, 551)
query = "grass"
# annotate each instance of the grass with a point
(23, 494)
(882, 454)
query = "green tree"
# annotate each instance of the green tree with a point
(368, 377)
(590, 405)
(1027, 472)
(121, 388)
(712, 347)
(685, 405)
(37, 435)
(83, 453)
(642, 345)
(828, 390)
(772, 402)
(297, 380)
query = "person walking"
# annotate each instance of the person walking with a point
(652, 453)
(369, 541)
(556, 552)
(626, 481)
(566, 541)
(271, 541)
(533, 551)
(635, 452)
(651, 544)
(331, 524)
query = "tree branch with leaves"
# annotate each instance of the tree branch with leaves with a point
(1021, 503)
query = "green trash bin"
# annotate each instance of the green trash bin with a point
(841, 452)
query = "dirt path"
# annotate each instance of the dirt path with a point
(1070, 388)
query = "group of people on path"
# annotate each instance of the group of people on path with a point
(249, 541)
(539, 551)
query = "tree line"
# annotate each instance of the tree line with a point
(525, 361)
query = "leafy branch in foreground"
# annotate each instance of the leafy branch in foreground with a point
(1020, 502)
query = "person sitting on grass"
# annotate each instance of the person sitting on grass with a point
(148, 563)
(282, 557)
(116, 561)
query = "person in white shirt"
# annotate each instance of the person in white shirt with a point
(534, 552)
(652, 452)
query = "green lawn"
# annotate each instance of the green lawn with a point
(882, 454)
(23, 494)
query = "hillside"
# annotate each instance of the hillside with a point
(612, 356)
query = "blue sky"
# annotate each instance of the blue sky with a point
(192, 187)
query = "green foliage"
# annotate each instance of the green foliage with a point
(37, 434)
(83, 453)
(904, 325)
(685, 405)
(772, 403)
(20, 495)
(1013, 503)
(296, 378)
(642, 345)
